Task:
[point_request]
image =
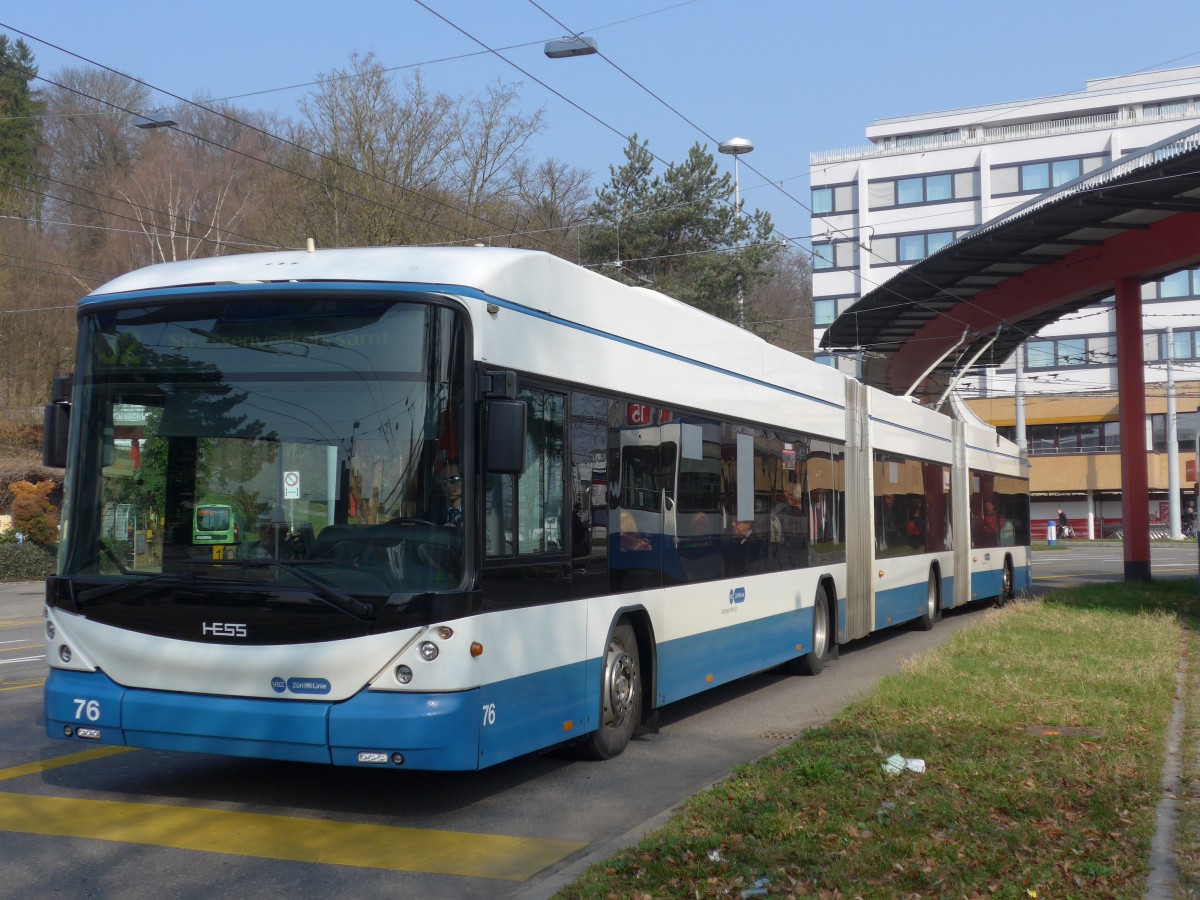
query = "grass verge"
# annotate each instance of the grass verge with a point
(1042, 730)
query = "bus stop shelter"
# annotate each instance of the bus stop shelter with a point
(974, 302)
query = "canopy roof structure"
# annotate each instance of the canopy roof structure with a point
(974, 301)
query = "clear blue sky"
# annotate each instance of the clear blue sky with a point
(791, 76)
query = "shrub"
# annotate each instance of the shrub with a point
(25, 562)
(32, 513)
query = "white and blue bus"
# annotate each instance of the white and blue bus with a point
(499, 504)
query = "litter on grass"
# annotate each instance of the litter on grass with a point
(895, 764)
(760, 889)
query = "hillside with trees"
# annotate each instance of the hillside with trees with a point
(89, 190)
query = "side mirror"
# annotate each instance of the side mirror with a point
(56, 423)
(504, 453)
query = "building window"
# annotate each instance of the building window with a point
(838, 255)
(912, 247)
(1110, 436)
(834, 199)
(1177, 284)
(1071, 352)
(824, 312)
(924, 189)
(939, 187)
(910, 190)
(1039, 354)
(1063, 170)
(1072, 437)
(826, 359)
(1059, 353)
(936, 241)
(1184, 345)
(1035, 177)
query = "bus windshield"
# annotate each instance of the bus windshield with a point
(302, 431)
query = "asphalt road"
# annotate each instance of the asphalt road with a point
(143, 823)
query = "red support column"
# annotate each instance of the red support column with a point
(1131, 397)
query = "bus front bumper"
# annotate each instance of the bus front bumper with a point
(372, 728)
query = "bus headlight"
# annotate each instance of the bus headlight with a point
(429, 651)
(403, 674)
(49, 629)
(64, 653)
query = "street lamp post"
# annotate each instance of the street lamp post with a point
(735, 147)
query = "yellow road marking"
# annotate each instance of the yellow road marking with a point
(17, 623)
(21, 685)
(58, 762)
(39, 645)
(280, 837)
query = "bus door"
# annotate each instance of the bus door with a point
(639, 497)
(695, 519)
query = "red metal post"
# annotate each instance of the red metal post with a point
(1131, 394)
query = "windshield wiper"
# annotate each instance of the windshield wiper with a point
(334, 596)
(137, 587)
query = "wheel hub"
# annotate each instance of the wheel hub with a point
(619, 685)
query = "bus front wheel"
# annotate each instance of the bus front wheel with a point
(620, 695)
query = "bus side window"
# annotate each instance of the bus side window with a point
(531, 514)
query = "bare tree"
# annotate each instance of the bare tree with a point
(91, 141)
(780, 309)
(552, 203)
(492, 141)
(380, 159)
(184, 201)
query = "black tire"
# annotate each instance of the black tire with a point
(812, 662)
(1007, 591)
(620, 696)
(933, 606)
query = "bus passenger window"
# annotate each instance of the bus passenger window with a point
(531, 513)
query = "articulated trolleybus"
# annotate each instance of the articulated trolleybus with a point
(490, 503)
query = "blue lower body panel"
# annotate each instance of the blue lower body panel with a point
(690, 665)
(430, 731)
(989, 584)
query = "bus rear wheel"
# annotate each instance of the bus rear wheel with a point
(1006, 581)
(620, 695)
(813, 662)
(933, 609)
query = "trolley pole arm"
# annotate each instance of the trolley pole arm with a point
(937, 362)
(963, 371)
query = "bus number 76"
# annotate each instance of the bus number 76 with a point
(89, 708)
(489, 714)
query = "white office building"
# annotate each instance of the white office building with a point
(924, 180)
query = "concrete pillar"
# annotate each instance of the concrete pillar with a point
(1091, 515)
(1131, 392)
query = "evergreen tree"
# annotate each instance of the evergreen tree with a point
(20, 127)
(678, 232)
